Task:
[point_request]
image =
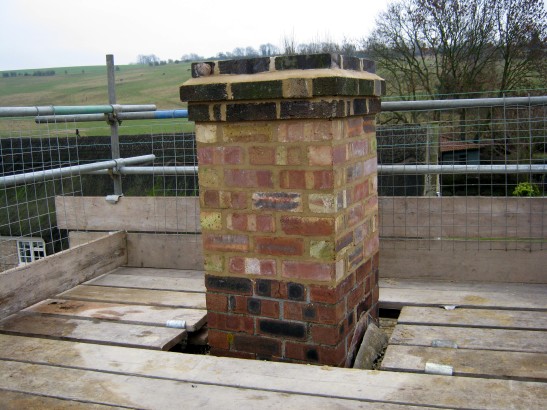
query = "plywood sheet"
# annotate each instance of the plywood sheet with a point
(189, 284)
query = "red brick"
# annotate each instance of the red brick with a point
(319, 293)
(356, 257)
(270, 308)
(332, 356)
(358, 149)
(205, 155)
(355, 126)
(360, 191)
(293, 310)
(230, 322)
(211, 199)
(321, 180)
(355, 296)
(279, 246)
(265, 223)
(218, 339)
(307, 226)
(369, 125)
(238, 200)
(232, 155)
(308, 270)
(291, 179)
(216, 302)
(339, 154)
(246, 178)
(229, 353)
(327, 314)
(257, 344)
(320, 155)
(238, 222)
(294, 156)
(225, 243)
(355, 172)
(262, 155)
(355, 215)
(372, 244)
(237, 265)
(370, 166)
(363, 271)
(327, 335)
(344, 241)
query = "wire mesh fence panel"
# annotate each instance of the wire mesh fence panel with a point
(439, 208)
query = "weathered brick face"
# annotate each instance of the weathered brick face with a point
(288, 204)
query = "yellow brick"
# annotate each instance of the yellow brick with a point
(322, 203)
(210, 220)
(206, 133)
(209, 177)
(322, 250)
(213, 263)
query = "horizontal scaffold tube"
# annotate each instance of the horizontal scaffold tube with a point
(72, 109)
(40, 176)
(122, 116)
(462, 169)
(159, 170)
(463, 103)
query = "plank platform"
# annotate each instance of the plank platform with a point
(135, 307)
(117, 376)
(491, 331)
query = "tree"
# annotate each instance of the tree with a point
(439, 47)
(149, 59)
(268, 49)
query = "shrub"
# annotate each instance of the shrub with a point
(526, 189)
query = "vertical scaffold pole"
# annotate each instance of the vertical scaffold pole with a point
(114, 135)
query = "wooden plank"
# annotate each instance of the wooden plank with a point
(403, 259)
(512, 288)
(471, 338)
(483, 318)
(143, 392)
(159, 272)
(165, 251)
(485, 217)
(119, 312)
(397, 298)
(196, 284)
(137, 214)
(286, 378)
(473, 363)
(12, 400)
(23, 286)
(136, 296)
(93, 331)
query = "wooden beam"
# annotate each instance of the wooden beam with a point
(26, 285)
(137, 214)
(12, 400)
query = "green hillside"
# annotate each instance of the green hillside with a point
(135, 84)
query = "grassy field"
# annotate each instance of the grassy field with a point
(135, 84)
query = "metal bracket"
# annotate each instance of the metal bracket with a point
(113, 199)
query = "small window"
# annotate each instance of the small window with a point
(30, 250)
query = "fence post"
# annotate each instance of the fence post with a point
(113, 121)
(289, 206)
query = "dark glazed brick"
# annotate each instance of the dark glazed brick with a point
(204, 92)
(307, 62)
(257, 90)
(366, 87)
(312, 355)
(309, 312)
(369, 65)
(335, 86)
(263, 287)
(251, 112)
(253, 306)
(374, 105)
(282, 328)
(296, 291)
(308, 109)
(257, 344)
(217, 113)
(244, 66)
(198, 112)
(351, 63)
(359, 106)
(227, 284)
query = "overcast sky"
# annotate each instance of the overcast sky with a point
(59, 33)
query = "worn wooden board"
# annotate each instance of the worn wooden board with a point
(482, 318)
(119, 312)
(159, 272)
(397, 298)
(466, 362)
(405, 259)
(143, 392)
(260, 376)
(136, 296)
(12, 400)
(468, 286)
(485, 217)
(137, 214)
(165, 251)
(93, 331)
(189, 284)
(471, 338)
(23, 286)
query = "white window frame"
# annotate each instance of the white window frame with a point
(30, 250)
